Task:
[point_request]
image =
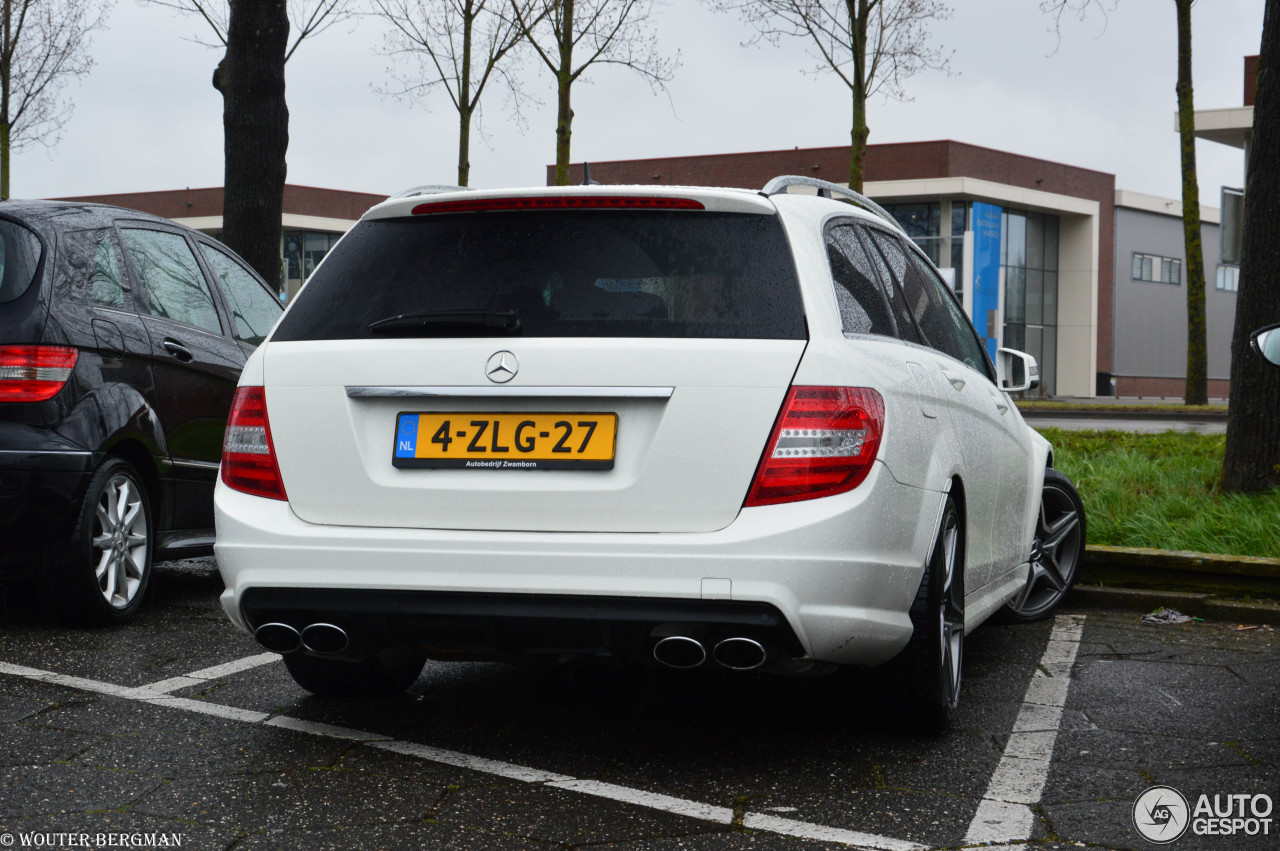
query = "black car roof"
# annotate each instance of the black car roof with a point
(72, 214)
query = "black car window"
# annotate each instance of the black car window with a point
(863, 308)
(253, 309)
(19, 257)
(920, 300)
(564, 273)
(171, 278)
(106, 282)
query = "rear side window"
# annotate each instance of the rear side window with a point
(253, 309)
(171, 279)
(92, 269)
(19, 256)
(608, 273)
(863, 309)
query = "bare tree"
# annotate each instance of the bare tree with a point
(306, 18)
(44, 44)
(458, 45)
(873, 46)
(1252, 458)
(599, 32)
(1196, 391)
(255, 115)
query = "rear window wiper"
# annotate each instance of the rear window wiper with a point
(477, 321)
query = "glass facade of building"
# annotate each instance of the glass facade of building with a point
(303, 250)
(1029, 266)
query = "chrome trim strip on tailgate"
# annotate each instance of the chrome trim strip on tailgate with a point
(357, 392)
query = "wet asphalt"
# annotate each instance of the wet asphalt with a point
(495, 756)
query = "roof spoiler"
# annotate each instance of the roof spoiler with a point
(827, 189)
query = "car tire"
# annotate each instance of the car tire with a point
(1056, 551)
(383, 675)
(102, 574)
(934, 656)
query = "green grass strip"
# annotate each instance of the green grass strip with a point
(1162, 491)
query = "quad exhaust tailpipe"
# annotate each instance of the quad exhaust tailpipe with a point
(740, 654)
(736, 654)
(324, 638)
(680, 651)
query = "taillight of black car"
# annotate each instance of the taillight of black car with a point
(34, 373)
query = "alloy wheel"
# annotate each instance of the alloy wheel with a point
(950, 616)
(120, 540)
(1055, 551)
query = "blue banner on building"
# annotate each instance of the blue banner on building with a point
(986, 273)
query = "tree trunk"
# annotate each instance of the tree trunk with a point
(4, 160)
(1197, 387)
(465, 106)
(6, 128)
(564, 86)
(1252, 460)
(858, 11)
(255, 122)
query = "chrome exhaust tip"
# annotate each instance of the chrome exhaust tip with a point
(680, 651)
(278, 637)
(740, 654)
(325, 638)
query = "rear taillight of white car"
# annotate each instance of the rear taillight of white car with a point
(248, 455)
(823, 443)
(34, 373)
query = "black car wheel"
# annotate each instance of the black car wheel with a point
(1056, 550)
(384, 675)
(102, 574)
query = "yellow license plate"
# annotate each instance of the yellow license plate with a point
(485, 440)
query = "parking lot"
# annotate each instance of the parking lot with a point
(178, 730)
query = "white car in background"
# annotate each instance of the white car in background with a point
(702, 427)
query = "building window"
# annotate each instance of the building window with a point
(1158, 270)
(1229, 278)
(923, 223)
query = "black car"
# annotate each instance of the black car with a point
(121, 338)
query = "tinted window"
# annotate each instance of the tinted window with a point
(967, 347)
(171, 278)
(19, 257)
(863, 309)
(920, 299)
(106, 281)
(253, 309)
(906, 323)
(567, 273)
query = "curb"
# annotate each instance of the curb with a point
(1198, 584)
(1103, 413)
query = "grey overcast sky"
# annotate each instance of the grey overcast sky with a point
(147, 117)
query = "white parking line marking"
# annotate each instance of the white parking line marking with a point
(1005, 812)
(594, 788)
(217, 672)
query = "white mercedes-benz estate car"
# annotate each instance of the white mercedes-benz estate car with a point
(694, 427)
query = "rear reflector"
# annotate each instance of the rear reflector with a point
(823, 443)
(34, 373)
(565, 202)
(248, 455)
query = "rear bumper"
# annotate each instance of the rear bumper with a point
(840, 573)
(39, 492)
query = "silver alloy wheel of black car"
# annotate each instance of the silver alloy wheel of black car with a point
(120, 543)
(1056, 550)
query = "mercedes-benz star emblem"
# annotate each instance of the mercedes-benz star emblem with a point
(502, 367)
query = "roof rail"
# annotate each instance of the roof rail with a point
(431, 189)
(827, 189)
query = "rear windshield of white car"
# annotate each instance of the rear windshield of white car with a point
(551, 273)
